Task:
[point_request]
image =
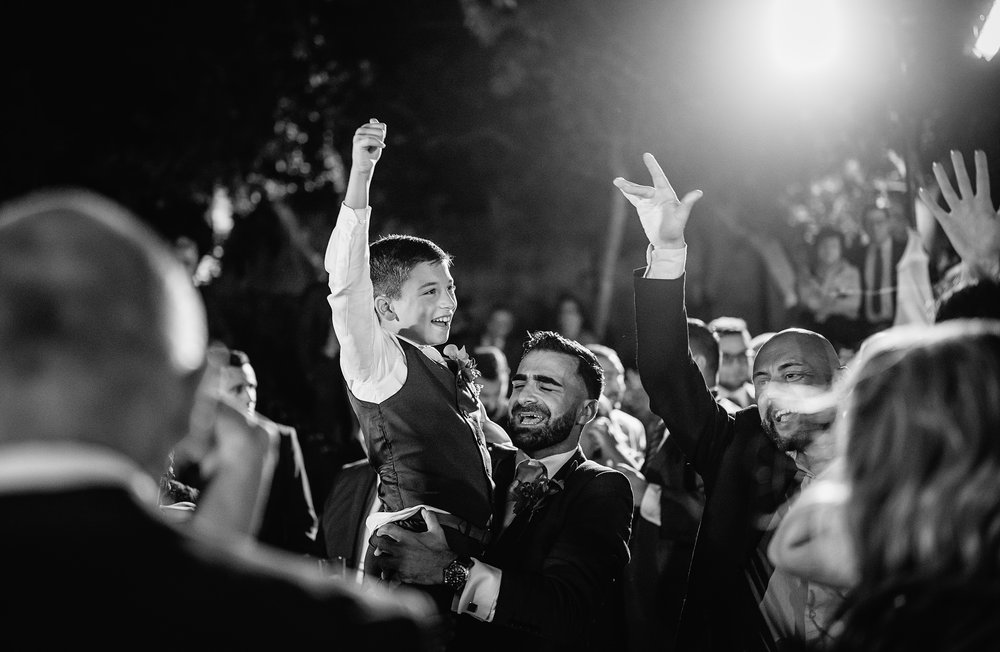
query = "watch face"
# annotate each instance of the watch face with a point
(455, 575)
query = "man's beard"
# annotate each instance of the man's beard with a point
(535, 438)
(799, 439)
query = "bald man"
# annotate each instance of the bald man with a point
(102, 351)
(752, 462)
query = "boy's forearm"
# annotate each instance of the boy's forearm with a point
(351, 293)
(357, 189)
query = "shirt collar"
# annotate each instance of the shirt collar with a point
(553, 463)
(426, 349)
(799, 465)
(71, 465)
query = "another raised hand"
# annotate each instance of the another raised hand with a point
(366, 150)
(662, 214)
(971, 224)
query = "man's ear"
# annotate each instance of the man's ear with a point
(383, 308)
(587, 412)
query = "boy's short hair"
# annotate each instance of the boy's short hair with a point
(588, 366)
(393, 257)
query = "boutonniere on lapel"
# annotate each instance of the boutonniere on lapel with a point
(532, 487)
(466, 371)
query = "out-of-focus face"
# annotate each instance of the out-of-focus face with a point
(879, 227)
(636, 400)
(791, 368)
(493, 394)
(570, 319)
(500, 323)
(426, 305)
(828, 250)
(614, 380)
(734, 366)
(240, 383)
(546, 402)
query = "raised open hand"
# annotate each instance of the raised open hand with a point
(369, 140)
(971, 225)
(663, 216)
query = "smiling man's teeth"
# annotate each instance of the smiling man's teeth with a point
(529, 417)
(781, 414)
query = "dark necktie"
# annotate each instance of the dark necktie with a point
(529, 476)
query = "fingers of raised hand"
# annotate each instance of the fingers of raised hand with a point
(982, 175)
(656, 172)
(691, 198)
(633, 191)
(947, 190)
(939, 214)
(961, 174)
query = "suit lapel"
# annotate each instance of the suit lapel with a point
(519, 526)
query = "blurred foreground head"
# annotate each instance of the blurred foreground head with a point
(102, 335)
(922, 426)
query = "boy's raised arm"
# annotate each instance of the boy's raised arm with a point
(351, 294)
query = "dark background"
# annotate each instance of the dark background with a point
(507, 121)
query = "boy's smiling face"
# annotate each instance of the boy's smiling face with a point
(424, 310)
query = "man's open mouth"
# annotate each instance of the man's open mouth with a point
(528, 418)
(781, 416)
(441, 321)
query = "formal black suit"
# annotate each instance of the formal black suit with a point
(661, 554)
(857, 256)
(345, 510)
(559, 565)
(92, 567)
(289, 521)
(746, 477)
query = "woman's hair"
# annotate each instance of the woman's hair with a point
(922, 425)
(923, 453)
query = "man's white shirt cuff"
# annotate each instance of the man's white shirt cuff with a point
(649, 508)
(479, 597)
(665, 263)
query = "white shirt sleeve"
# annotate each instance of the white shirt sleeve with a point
(649, 508)
(665, 263)
(479, 597)
(372, 360)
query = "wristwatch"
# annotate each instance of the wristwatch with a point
(456, 573)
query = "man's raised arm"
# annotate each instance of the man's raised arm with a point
(675, 385)
(351, 294)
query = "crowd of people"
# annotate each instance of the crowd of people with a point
(832, 485)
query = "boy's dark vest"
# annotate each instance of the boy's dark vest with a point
(426, 442)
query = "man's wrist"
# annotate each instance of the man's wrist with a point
(456, 573)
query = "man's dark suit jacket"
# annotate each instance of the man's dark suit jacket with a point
(746, 476)
(559, 565)
(345, 510)
(290, 521)
(93, 568)
(857, 256)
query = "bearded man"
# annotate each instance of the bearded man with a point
(561, 522)
(752, 462)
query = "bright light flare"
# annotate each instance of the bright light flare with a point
(988, 41)
(805, 35)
